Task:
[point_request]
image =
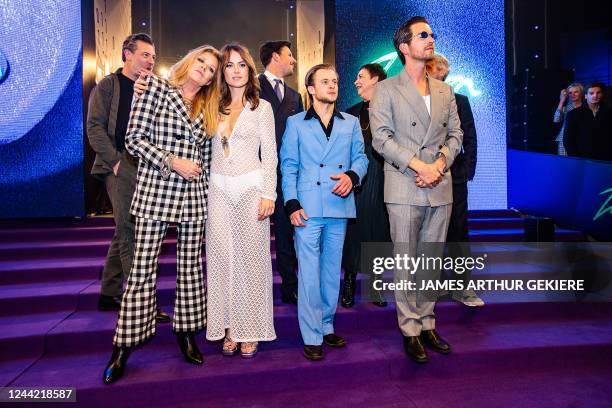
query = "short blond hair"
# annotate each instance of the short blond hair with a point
(440, 59)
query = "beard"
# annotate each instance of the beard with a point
(327, 99)
(424, 55)
(289, 72)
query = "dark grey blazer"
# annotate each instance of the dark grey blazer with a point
(464, 167)
(101, 122)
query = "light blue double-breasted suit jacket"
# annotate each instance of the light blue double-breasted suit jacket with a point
(308, 160)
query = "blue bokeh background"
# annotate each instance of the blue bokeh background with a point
(41, 129)
(471, 36)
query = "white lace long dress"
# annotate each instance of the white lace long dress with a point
(238, 259)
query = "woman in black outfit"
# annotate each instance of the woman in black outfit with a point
(372, 222)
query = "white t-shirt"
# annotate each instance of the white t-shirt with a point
(427, 100)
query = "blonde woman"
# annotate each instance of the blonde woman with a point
(168, 131)
(242, 192)
(570, 99)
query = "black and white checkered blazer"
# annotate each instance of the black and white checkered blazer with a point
(159, 125)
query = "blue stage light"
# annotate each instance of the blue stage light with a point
(471, 36)
(4, 67)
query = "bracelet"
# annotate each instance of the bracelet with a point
(166, 168)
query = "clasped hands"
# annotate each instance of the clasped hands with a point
(430, 175)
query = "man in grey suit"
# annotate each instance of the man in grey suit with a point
(416, 129)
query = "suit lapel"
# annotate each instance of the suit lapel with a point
(407, 89)
(177, 103)
(316, 129)
(286, 97)
(436, 99)
(334, 135)
(268, 91)
(197, 126)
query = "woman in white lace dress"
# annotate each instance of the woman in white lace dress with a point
(242, 190)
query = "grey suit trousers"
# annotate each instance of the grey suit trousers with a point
(411, 227)
(120, 255)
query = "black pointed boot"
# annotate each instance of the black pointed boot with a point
(189, 348)
(116, 365)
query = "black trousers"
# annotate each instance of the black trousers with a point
(458, 226)
(286, 261)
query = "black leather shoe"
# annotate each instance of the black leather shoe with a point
(313, 353)
(161, 316)
(189, 348)
(116, 365)
(333, 340)
(414, 349)
(433, 341)
(348, 290)
(290, 297)
(378, 299)
(108, 303)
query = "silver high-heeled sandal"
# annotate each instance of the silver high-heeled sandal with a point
(229, 351)
(249, 354)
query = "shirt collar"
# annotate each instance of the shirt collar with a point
(311, 113)
(272, 78)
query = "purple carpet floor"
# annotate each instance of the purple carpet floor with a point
(532, 353)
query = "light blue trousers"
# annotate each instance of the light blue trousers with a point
(318, 246)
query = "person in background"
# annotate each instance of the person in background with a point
(588, 129)
(462, 170)
(372, 222)
(278, 60)
(576, 95)
(107, 120)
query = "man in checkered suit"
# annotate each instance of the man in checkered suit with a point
(169, 136)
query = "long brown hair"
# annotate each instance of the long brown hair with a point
(251, 93)
(207, 98)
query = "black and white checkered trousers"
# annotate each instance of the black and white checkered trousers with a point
(136, 322)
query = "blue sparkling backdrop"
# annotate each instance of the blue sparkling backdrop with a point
(471, 36)
(41, 117)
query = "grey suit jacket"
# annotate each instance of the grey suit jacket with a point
(402, 129)
(101, 122)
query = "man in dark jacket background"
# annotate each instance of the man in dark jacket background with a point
(588, 129)
(462, 170)
(109, 112)
(278, 60)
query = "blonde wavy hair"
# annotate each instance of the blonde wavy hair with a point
(207, 98)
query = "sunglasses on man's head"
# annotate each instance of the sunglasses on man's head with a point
(425, 34)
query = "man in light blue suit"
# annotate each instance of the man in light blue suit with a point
(322, 160)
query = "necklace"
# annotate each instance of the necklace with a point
(367, 108)
(188, 104)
